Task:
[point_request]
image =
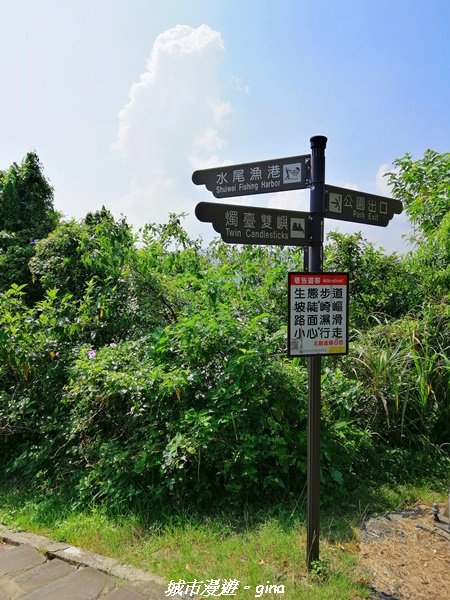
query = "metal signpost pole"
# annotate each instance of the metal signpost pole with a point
(315, 265)
(256, 225)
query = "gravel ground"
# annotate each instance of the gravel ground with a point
(406, 555)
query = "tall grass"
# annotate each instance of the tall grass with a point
(405, 368)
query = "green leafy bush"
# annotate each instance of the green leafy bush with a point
(152, 367)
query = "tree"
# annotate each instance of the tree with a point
(380, 283)
(26, 215)
(424, 188)
(90, 262)
(75, 253)
(26, 198)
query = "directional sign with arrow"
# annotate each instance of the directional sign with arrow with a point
(318, 326)
(252, 225)
(359, 207)
(262, 177)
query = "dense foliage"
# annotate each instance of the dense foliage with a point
(26, 215)
(156, 367)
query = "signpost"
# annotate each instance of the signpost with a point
(252, 225)
(262, 177)
(318, 302)
(315, 265)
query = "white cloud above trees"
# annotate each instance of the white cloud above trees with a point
(173, 122)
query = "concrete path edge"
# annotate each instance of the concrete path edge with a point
(136, 578)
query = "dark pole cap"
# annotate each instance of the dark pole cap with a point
(318, 141)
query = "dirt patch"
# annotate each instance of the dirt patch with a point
(406, 555)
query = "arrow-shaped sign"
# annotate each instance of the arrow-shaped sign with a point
(359, 207)
(254, 225)
(263, 177)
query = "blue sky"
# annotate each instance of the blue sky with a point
(122, 100)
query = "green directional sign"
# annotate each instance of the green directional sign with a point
(254, 225)
(262, 177)
(359, 207)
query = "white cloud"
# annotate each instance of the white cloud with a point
(381, 183)
(172, 123)
(291, 200)
(209, 139)
(221, 110)
(241, 87)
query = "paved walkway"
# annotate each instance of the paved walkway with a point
(32, 567)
